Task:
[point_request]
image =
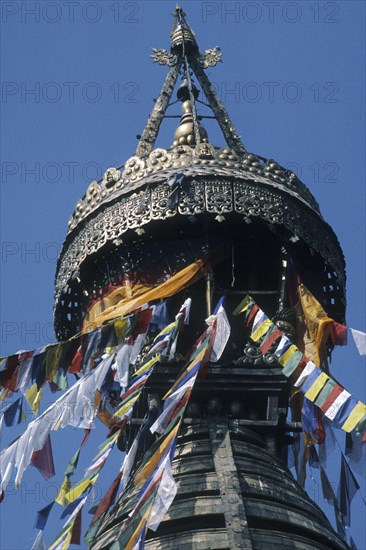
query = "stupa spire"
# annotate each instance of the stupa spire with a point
(184, 57)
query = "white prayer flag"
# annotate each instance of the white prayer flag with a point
(75, 408)
(164, 498)
(310, 366)
(39, 543)
(334, 408)
(360, 340)
(222, 334)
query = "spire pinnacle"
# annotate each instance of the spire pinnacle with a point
(183, 37)
(184, 58)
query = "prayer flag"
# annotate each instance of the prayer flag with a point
(330, 497)
(270, 339)
(10, 413)
(148, 467)
(283, 359)
(324, 394)
(316, 386)
(81, 487)
(347, 489)
(291, 365)
(360, 340)
(39, 543)
(64, 489)
(70, 508)
(76, 529)
(356, 452)
(335, 407)
(43, 460)
(33, 396)
(283, 345)
(163, 499)
(245, 304)
(355, 416)
(222, 332)
(311, 422)
(72, 465)
(262, 329)
(108, 498)
(42, 516)
(313, 376)
(259, 318)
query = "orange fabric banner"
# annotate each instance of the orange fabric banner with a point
(318, 326)
(125, 299)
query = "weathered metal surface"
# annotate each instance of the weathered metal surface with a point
(210, 195)
(232, 503)
(232, 493)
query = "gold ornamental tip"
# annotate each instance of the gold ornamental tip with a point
(183, 37)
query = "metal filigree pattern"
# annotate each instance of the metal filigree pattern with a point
(162, 203)
(203, 159)
(163, 57)
(219, 197)
(197, 194)
(210, 58)
(192, 199)
(266, 205)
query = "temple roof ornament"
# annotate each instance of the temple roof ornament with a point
(222, 181)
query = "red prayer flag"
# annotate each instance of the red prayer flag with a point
(337, 390)
(9, 375)
(77, 361)
(253, 312)
(142, 322)
(108, 498)
(338, 334)
(86, 436)
(43, 460)
(270, 340)
(76, 530)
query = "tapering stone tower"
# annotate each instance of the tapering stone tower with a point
(248, 215)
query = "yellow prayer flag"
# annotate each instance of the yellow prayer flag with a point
(65, 487)
(52, 361)
(79, 489)
(318, 325)
(131, 543)
(120, 327)
(122, 410)
(165, 330)
(147, 469)
(358, 412)
(123, 302)
(65, 534)
(288, 354)
(147, 365)
(33, 396)
(261, 330)
(315, 388)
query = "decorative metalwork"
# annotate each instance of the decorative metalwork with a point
(203, 159)
(210, 58)
(163, 57)
(203, 190)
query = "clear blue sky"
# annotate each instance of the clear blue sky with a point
(293, 80)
